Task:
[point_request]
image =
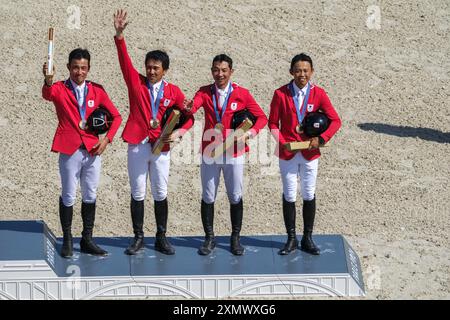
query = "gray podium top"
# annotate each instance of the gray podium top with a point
(23, 241)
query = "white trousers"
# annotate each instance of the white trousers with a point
(82, 168)
(290, 171)
(233, 174)
(141, 163)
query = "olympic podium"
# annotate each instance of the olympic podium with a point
(31, 268)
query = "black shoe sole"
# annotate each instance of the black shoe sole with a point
(169, 253)
(204, 253)
(95, 253)
(133, 252)
(238, 253)
(66, 254)
(283, 252)
(237, 250)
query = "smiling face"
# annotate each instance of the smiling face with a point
(302, 73)
(154, 70)
(78, 69)
(221, 73)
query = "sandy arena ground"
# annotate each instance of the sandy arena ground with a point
(384, 183)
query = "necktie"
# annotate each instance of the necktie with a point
(300, 99)
(80, 96)
(222, 96)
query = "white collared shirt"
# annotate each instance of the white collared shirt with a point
(156, 88)
(79, 91)
(223, 93)
(300, 94)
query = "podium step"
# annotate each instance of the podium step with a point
(31, 268)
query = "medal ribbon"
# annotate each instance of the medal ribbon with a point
(82, 108)
(155, 104)
(215, 98)
(300, 113)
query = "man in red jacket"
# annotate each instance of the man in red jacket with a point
(150, 96)
(221, 102)
(289, 106)
(79, 149)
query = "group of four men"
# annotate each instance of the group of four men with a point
(150, 98)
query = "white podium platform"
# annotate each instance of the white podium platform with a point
(31, 268)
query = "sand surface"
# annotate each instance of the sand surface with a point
(384, 183)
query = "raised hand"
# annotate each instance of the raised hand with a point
(120, 22)
(48, 78)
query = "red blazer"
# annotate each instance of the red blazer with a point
(69, 137)
(240, 98)
(138, 127)
(283, 114)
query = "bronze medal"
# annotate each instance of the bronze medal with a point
(298, 128)
(82, 124)
(154, 123)
(218, 127)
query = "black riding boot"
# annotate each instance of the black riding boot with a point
(236, 213)
(161, 212)
(289, 215)
(207, 212)
(137, 218)
(65, 216)
(309, 212)
(87, 244)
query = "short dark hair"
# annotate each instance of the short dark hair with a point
(158, 55)
(223, 57)
(78, 54)
(301, 57)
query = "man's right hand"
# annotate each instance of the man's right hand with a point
(120, 22)
(48, 78)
